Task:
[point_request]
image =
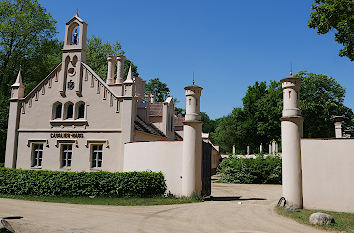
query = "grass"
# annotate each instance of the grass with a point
(128, 201)
(343, 221)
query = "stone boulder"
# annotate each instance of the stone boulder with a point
(5, 227)
(321, 219)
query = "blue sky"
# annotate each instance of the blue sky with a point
(228, 44)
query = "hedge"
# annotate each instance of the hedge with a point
(59, 183)
(251, 170)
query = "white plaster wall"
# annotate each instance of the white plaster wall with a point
(81, 155)
(328, 174)
(157, 156)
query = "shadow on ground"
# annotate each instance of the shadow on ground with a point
(236, 198)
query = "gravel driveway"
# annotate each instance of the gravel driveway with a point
(235, 208)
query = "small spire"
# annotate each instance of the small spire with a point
(77, 12)
(193, 78)
(18, 82)
(130, 76)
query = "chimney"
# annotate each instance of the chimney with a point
(111, 70)
(120, 69)
(152, 98)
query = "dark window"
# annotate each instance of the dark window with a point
(81, 111)
(69, 111)
(57, 111)
(96, 156)
(37, 153)
(66, 154)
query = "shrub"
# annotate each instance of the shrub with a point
(251, 171)
(59, 183)
(1, 164)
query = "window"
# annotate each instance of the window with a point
(96, 156)
(69, 111)
(66, 155)
(80, 111)
(57, 110)
(37, 153)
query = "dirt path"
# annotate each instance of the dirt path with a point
(237, 208)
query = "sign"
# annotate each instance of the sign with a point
(66, 135)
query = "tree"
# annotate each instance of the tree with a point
(26, 39)
(338, 15)
(208, 124)
(321, 98)
(159, 88)
(25, 26)
(258, 121)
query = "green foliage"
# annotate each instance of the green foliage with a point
(1, 164)
(97, 53)
(26, 39)
(80, 184)
(251, 171)
(208, 124)
(116, 201)
(321, 98)
(159, 88)
(258, 122)
(337, 15)
(344, 222)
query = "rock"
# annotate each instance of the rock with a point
(321, 219)
(291, 209)
(5, 227)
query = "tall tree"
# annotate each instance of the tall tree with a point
(159, 88)
(208, 124)
(258, 121)
(26, 39)
(337, 15)
(25, 26)
(321, 98)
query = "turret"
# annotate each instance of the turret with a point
(129, 85)
(291, 133)
(17, 89)
(120, 69)
(17, 93)
(192, 143)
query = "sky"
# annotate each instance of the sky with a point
(227, 44)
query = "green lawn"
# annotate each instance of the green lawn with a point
(131, 201)
(343, 221)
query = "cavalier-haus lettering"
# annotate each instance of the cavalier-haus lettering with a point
(67, 135)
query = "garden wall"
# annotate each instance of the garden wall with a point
(164, 156)
(328, 174)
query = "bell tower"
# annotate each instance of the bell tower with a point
(74, 52)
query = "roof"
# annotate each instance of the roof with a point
(156, 109)
(178, 137)
(142, 126)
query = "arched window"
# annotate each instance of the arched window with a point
(80, 110)
(69, 110)
(57, 110)
(73, 34)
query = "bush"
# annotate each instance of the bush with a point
(251, 171)
(74, 184)
(1, 164)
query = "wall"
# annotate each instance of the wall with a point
(157, 156)
(328, 174)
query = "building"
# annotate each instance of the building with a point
(73, 120)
